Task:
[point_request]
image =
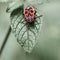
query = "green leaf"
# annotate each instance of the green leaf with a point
(14, 5)
(25, 33)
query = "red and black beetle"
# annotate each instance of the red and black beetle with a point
(29, 13)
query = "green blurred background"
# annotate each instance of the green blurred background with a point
(48, 45)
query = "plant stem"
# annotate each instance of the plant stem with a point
(5, 40)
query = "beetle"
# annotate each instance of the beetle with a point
(29, 13)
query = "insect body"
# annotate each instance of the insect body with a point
(29, 14)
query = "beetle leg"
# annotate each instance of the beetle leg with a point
(38, 16)
(22, 22)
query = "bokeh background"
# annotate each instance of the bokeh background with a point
(48, 45)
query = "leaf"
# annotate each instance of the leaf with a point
(25, 33)
(14, 5)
